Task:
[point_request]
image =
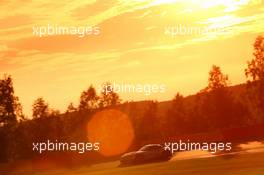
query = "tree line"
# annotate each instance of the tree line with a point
(214, 107)
(89, 101)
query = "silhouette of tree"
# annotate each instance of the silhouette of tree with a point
(177, 115)
(149, 124)
(217, 79)
(255, 70)
(10, 108)
(108, 97)
(88, 99)
(197, 119)
(255, 75)
(54, 112)
(219, 108)
(40, 108)
(71, 108)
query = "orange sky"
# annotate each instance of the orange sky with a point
(131, 47)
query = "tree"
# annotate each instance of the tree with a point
(10, 108)
(255, 75)
(108, 97)
(88, 99)
(40, 108)
(149, 124)
(71, 108)
(217, 80)
(255, 70)
(219, 108)
(54, 112)
(177, 115)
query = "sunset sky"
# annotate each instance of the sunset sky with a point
(132, 46)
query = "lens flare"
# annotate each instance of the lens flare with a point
(113, 130)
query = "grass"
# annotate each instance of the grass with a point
(246, 164)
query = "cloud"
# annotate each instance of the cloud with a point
(93, 9)
(132, 45)
(15, 21)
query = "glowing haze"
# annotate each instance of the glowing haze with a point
(131, 46)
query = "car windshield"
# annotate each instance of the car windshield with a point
(150, 148)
